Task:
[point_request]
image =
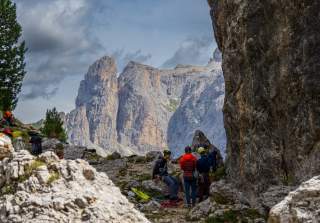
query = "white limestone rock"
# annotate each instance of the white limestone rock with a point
(300, 206)
(54, 190)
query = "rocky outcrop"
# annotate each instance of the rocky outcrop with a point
(226, 204)
(301, 205)
(200, 140)
(146, 109)
(272, 109)
(6, 147)
(46, 189)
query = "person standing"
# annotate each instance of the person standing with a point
(36, 142)
(188, 165)
(203, 168)
(160, 172)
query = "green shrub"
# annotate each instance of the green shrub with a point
(53, 126)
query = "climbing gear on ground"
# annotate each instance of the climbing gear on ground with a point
(141, 195)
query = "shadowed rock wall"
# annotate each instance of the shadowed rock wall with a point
(271, 65)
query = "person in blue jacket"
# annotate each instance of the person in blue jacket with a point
(203, 168)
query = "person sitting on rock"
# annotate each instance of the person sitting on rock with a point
(203, 168)
(160, 172)
(36, 142)
(7, 118)
(188, 165)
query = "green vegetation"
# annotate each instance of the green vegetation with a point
(53, 177)
(53, 126)
(219, 199)
(219, 174)
(12, 51)
(7, 189)
(288, 180)
(33, 166)
(173, 105)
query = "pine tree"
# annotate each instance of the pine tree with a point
(53, 126)
(12, 50)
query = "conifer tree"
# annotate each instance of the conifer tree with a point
(12, 51)
(53, 126)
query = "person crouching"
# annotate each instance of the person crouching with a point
(188, 165)
(160, 172)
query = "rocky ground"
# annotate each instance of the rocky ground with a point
(224, 204)
(46, 189)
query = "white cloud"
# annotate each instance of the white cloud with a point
(195, 51)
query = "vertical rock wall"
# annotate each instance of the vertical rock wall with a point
(271, 65)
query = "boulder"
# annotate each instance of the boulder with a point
(151, 185)
(115, 156)
(200, 140)
(6, 148)
(274, 195)
(47, 189)
(151, 206)
(301, 205)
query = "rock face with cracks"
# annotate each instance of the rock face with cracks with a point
(46, 189)
(271, 65)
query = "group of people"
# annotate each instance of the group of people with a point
(8, 122)
(196, 166)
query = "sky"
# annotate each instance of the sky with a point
(64, 37)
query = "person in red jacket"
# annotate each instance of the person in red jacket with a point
(188, 163)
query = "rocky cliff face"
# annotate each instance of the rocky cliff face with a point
(272, 108)
(146, 108)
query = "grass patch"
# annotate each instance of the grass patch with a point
(53, 177)
(173, 105)
(7, 189)
(28, 169)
